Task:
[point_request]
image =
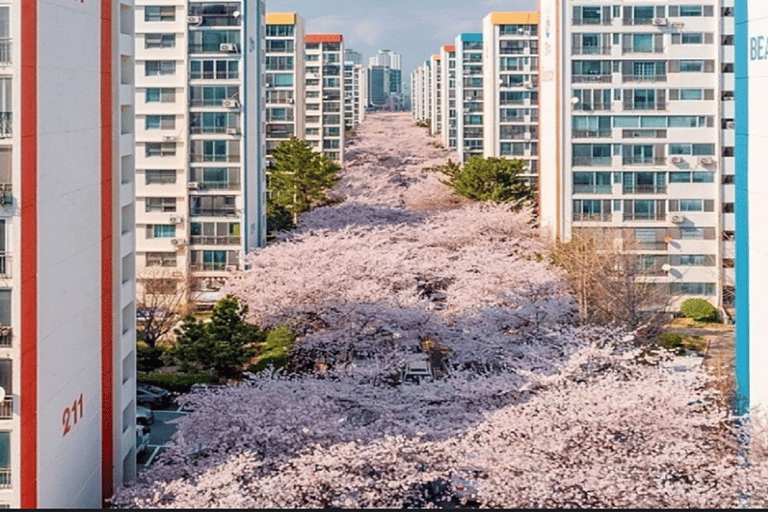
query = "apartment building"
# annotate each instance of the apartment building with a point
(67, 311)
(417, 94)
(448, 99)
(510, 87)
(361, 78)
(200, 157)
(637, 134)
(285, 80)
(349, 94)
(469, 95)
(325, 98)
(436, 94)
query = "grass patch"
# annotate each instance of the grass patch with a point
(274, 352)
(680, 343)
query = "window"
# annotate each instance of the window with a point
(5, 459)
(158, 122)
(691, 205)
(160, 286)
(692, 38)
(215, 233)
(159, 176)
(159, 41)
(160, 149)
(212, 206)
(160, 95)
(690, 66)
(690, 10)
(159, 13)
(161, 259)
(691, 177)
(642, 43)
(692, 260)
(161, 231)
(592, 183)
(591, 210)
(213, 260)
(159, 67)
(220, 69)
(160, 204)
(691, 233)
(5, 307)
(705, 289)
(284, 46)
(279, 30)
(280, 80)
(691, 94)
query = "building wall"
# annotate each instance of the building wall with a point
(469, 95)
(448, 100)
(325, 95)
(436, 94)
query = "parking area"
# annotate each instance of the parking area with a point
(160, 432)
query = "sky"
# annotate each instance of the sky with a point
(414, 28)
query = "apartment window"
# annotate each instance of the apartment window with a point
(279, 30)
(213, 260)
(592, 210)
(161, 231)
(280, 80)
(212, 206)
(642, 43)
(5, 307)
(159, 95)
(161, 259)
(692, 149)
(690, 66)
(219, 69)
(279, 63)
(160, 122)
(284, 46)
(691, 205)
(692, 260)
(160, 286)
(159, 13)
(692, 38)
(592, 183)
(159, 67)
(216, 178)
(160, 149)
(592, 154)
(644, 182)
(691, 177)
(160, 204)
(644, 209)
(212, 96)
(159, 41)
(5, 459)
(704, 289)
(215, 233)
(213, 122)
(159, 176)
(691, 94)
(690, 10)
(692, 233)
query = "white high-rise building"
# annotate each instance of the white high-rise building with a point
(67, 285)
(200, 164)
(469, 95)
(637, 133)
(510, 87)
(325, 98)
(386, 58)
(448, 99)
(435, 94)
(285, 78)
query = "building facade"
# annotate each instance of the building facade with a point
(510, 87)
(67, 287)
(285, 80)
(436, 94)
(469, 95)
(448, 100)
(200, 164)
(325, 95)
(636, 135)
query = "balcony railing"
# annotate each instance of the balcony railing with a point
(217, 20)
(592, 217)
(215, 240)
(213, 212)
(218, 185)
(213, 48)
(646, 105)
(592, 161)
(644, 216)
(592, 189)
(644, 134)
(645, 189)
(208, 102)
(603, 79)
(198, 130)
(6, 336)
(5, 51)
(5, 268)
(592, 134)
(644, 78)
(214, 75)
(6, 408)
(592, 21)
(591, 50)
(637, 21)
(197, 157)
(210, 267)
(644, 160)
(651, 246)
(5, 478)
(593, 107)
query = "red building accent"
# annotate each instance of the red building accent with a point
(323, 38)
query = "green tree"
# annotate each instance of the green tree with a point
(300, 177)
(490, 179)
(222, 345)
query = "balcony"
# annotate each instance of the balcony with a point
(592, 217)
(5, 478)
(6, 408)
(212, 267)
(592, 161)
(6, 124)
(197, 157)
(602, 79)
(5, 51)
(644, 160)
(592, 21)
(637, 21)
(217, 185)
(645, 105)
(591, 50)
(215, 20)
(645, 189)
(6, 336)
(592, 189)
(592, 134)
(5, 269)
(222, 74)
(594, 107)
(644, 78)
(644, 134)
(213, 212)
(214, 48)
(644, 216)
(215, 240)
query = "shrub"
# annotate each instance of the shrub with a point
(177, 382)
(490, 179)
(275, 350)
(148, 358)
(699, 310)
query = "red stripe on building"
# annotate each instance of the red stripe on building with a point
(28, 395)
(323, 38)
(107, 171)
(449, 48)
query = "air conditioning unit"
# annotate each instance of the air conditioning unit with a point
(170, 138)
(676, 159)
(706, 160)
(521, 30)
(528, 85)
(230, 103)
(178, 242)
(231, 268)
(677, 218)
(730, 124)
(193, 185)
(194, 20)
(291, 101)
(233, 131)
(227, 47)
(659, 22)
(175, 220)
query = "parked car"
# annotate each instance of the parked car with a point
(417, 370)
(152, 396)
(142, 439)
(144, 416)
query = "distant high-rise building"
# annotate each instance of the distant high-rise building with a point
(378, 85)
(469, 95)
(354, 57)
(386, 58)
